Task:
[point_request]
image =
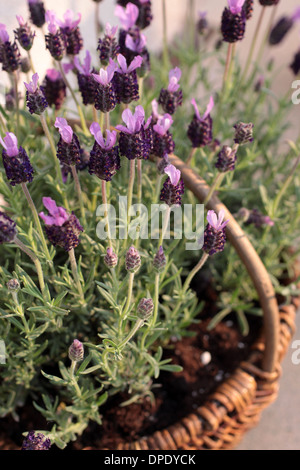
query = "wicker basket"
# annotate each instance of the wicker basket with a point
(236, 405)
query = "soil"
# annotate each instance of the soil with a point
(176, 394)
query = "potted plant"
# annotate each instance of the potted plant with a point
(142, 305)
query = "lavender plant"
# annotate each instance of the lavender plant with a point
(87, 305)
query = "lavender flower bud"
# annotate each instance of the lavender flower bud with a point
(10, 56)
(132, 260)
(268, 3)
(104, 163)
(25, 65)
(54, 88)
(126, 87)
(173, 187)
(145, 308)
(280, 30)
(110, 259)
(73, 40)
(8, 230)
(15, 161)
(214, 233)
(13, 285)
(35, 98)
(233, 25)
(56, 45)
(248, 8)
(68, 147)
(226, 159)
(170, 101)
(62, 229)
(162, 138)
(159, 261)
(256, 218)
(200, 128)
(37, 12)
(243, 133)
(295, 65)
(76, 351)
(36, 441)
(24, 34)
(86, 85)
(108, 47)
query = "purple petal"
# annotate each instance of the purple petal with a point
(136, 63)
(193, 102)
(51, 20)
(64, 129)
(236, 6)
(20, 20)
(173, 174)
(4, 37)
(163, 124)
(53, 74)
(10, 143)
(209, 108)
(94, 128)
(110, 31)
(176, 73)
(122, 62)
(128, 15)
(296, 14)
(122, 128)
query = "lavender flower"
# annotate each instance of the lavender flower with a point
(104, 91)
(282, 27)
(108, 47)
(125, 80)
(214, 234)
(16, 163)
(295, 65)
(162, 138)
(171, 97)
(110, 259)
(256, 218)
(37, 12)
(202, 23)
(243, 133)
(128, 17)
(233, 24)
(200, 128)
(8, 230)
(68, 147)
(9, 52)
(248, 8)
(85, 79)
(35, 98)
(54, 88)
(36, 441)
(145, 308)
(24, 34)
(159, 261)
(62, 229)
(137, 46)
(104, 160)
(136, 140)
(173, 187)
(268, 3)
(145, 11)
(71, 33)
(226, 159)
(132, 260)
(76, 351)
(13, 285)
(54, 40)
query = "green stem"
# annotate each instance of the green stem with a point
(129, 295)
(194, 271)
(136, 327)
(75, 272)
(16, 91)
(36, 219)
(104, 200)
(31, 62)
(191, 155)
(227, 67)
(79, 109)
(214, 187)
(79, 193)
(268, 31)
(253, 44)
(130, 188)
(52, 146)
(36, 262)
(164, 227)
(73, 378)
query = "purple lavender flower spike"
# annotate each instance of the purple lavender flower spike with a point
(268, 3)
(105, 98)
(295, 65)
(173, 187)
(132, 260)
(37, 12)
(16, 163)
(136, 138)
(282, 27)
(62, 229)
(214, 233)
(35, 98)
(171, 97)
(55, 42)
(76, 351)
(54, 88)
(136, 45)
(9, 52)
(125, 80)
(108, 47)
(111, 258)
(233, 23)
(162, 138)
(36, 441)
(86, 82)
(200, 128)
(159, 261)
(104, 158)
(145, 11)
(8, 230)
(68, 147)
(24, 34)
(226, 159)
(248, 8)
(71, 33)
(127, 15)
(256, 218)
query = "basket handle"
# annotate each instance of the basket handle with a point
(249, 257)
